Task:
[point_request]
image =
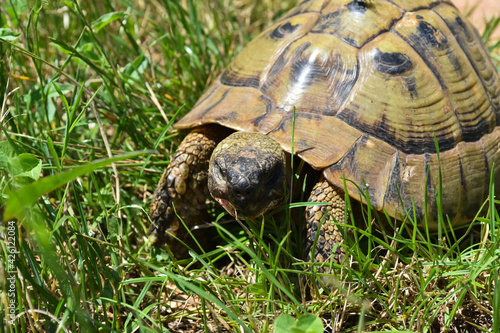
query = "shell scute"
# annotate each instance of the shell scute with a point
(314, 74)
(306, 6)
(469, 40)
(356, 22)
(406, 108)
(392, 62)
(358, 163)
(251, 66)
(317, 142)
(418, 4)
(223, 104)
(491, 147)
(434, 42)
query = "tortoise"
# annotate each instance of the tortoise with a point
(389, 96)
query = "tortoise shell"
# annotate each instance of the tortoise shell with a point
(371, 87)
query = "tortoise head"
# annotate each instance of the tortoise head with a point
(248, 174)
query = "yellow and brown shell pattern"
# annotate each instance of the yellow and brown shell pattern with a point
(374, 85)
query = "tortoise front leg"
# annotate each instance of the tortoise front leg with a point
(182, 191)
(329, 234)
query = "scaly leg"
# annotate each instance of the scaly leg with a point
(329, 234)
(182, 191)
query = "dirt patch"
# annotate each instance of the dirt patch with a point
(485, 10)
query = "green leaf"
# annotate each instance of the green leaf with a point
(28, 161)
(106, 19)
(31, 166)
(18, 7)
(107, 291)
(310, 324)
(113, 228)
(136, 68)
(61, 96)
(8, 35)
(53, 152)
(61, 89)
(284, 323)
(22, 165)
(30, 193)
(259, 288)
(71, 50)
(76, 105)
(8, 159)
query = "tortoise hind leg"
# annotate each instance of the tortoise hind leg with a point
(330, 236)
(182, 191)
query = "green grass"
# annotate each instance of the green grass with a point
(86, 89)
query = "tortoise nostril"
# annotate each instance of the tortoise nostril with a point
(241, 192)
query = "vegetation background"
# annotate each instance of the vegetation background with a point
(88, 93)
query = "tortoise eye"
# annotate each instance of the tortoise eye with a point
(218, 171)
(275, 176)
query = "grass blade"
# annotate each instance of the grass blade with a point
(30, 193)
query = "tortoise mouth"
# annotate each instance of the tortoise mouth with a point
(227, 206)
(250, 211)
